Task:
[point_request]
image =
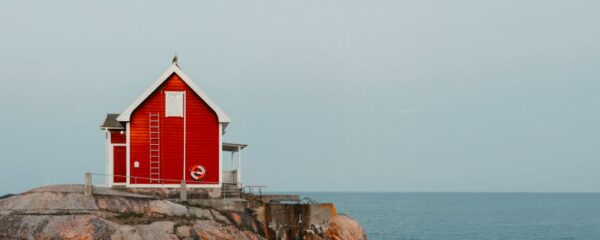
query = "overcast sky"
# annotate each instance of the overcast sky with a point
(330, 95)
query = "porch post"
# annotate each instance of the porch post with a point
(88, 188)
(232, 161)
(183, 191)
(239, 171)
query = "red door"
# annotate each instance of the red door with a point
(119, 161)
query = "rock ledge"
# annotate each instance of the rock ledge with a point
(63, 212)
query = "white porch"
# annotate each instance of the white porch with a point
(232, 164)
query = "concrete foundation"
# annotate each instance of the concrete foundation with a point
(174, 193)
(228, 204)
(278, 197)
(293, 221)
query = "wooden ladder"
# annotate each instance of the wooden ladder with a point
(154, 141)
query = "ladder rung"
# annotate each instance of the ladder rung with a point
(154, 136)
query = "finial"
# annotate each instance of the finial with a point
(175, 59)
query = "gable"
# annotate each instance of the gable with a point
(174, 69)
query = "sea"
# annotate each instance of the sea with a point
(432, 216)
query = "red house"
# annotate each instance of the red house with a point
(172, 132)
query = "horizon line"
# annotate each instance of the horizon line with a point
(496, 192)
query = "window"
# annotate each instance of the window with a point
(174, 104)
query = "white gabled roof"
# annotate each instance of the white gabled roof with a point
(126, 115)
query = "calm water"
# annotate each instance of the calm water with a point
(471, 215)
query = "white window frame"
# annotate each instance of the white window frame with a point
(180, 113)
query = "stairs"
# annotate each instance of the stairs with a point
(231, 190)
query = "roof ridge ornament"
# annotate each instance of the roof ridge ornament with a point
(175, 60)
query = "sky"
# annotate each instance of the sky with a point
(434, 95)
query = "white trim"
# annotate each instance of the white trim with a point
(111, 162)
(111, 128)
(126, 115)
(106, 169)
(188, 185)
(184, 175)
(220, 154)
(128, 154)
(110, 159)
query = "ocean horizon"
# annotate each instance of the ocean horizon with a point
(470, 215)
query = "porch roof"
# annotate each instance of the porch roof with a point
(110, 122)
(233, 147)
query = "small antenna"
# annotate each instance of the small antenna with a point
(175, 60)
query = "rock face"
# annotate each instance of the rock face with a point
(344, 227)
(63, 212)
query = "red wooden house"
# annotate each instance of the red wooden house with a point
(172, 132)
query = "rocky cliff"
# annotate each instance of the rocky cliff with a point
(64, 212)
